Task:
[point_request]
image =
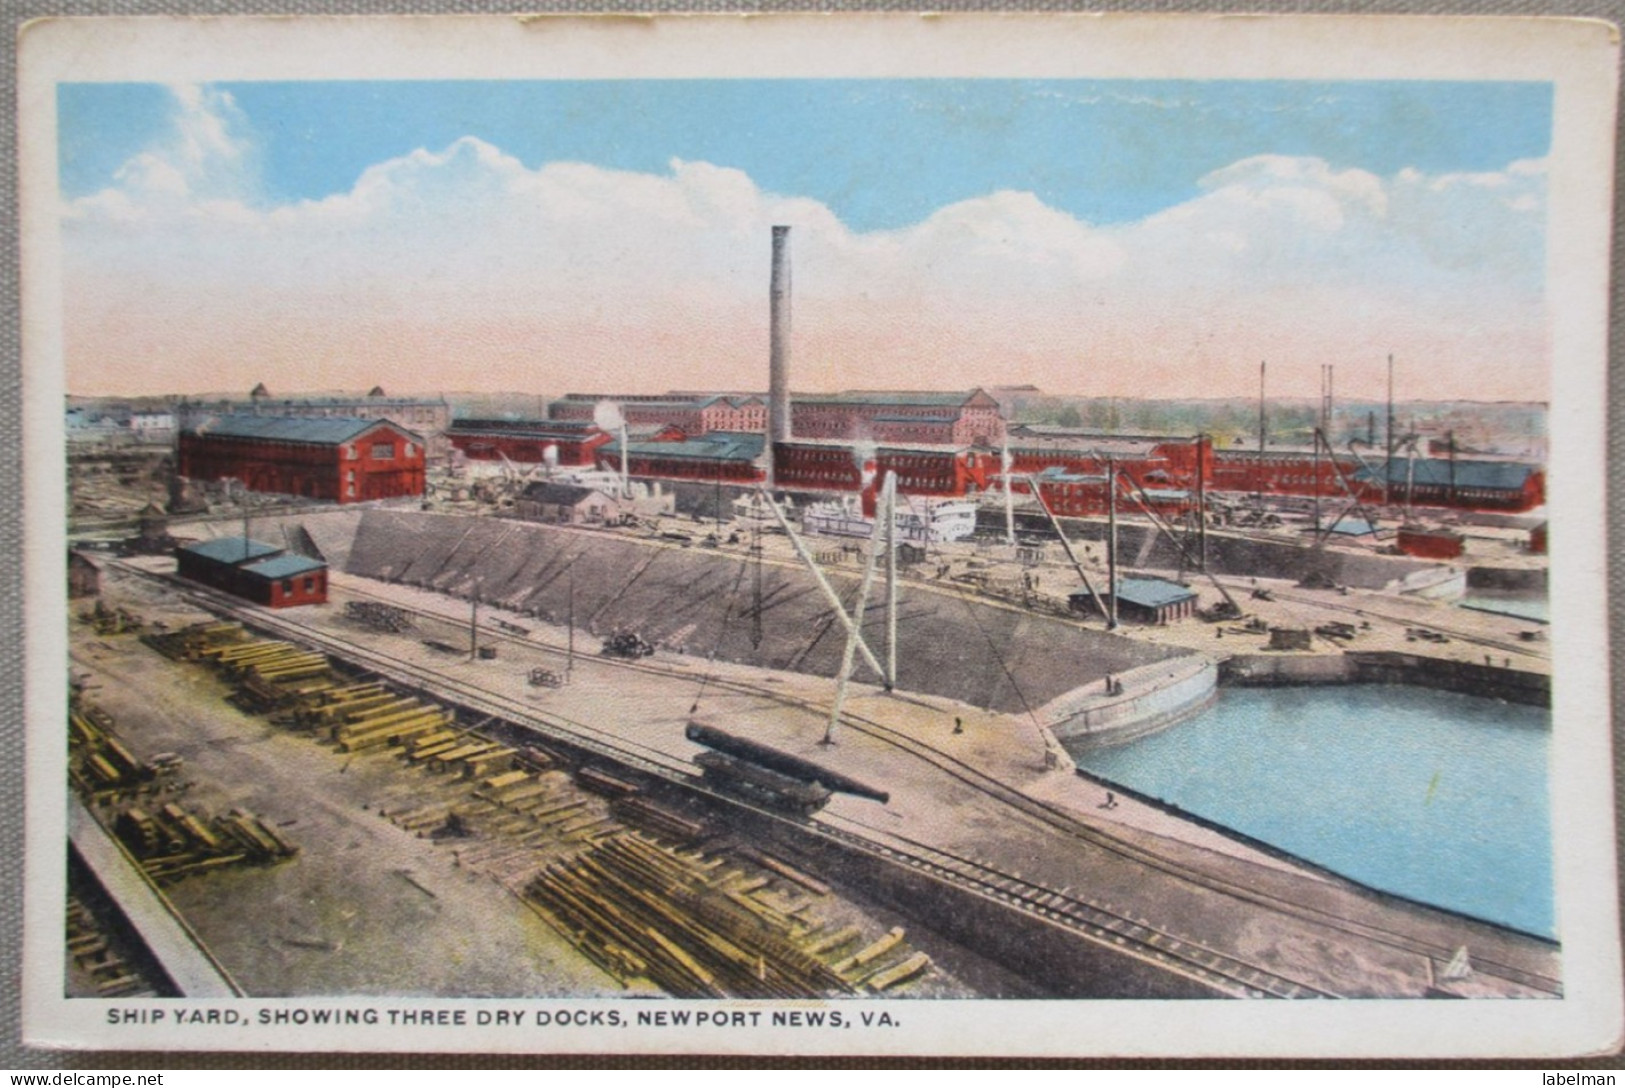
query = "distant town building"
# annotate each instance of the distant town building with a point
(83, 425)
(334, 459)
(152, 426)
(254, 571)
(428, 416)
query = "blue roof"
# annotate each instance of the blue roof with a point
(322, 431)
(1435, 472)
(717, 446)
(1352, 527)
(1059, 474)
(285, 566)
(231, 549)
(1152, 592)
(524, 428)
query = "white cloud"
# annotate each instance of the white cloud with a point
(617, 273)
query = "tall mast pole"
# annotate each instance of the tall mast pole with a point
(889, 494)
(1201, 500)
(1009, 499)
(1111, 542)
(1388, 461)
(854, 636)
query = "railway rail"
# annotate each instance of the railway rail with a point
(1101, 923)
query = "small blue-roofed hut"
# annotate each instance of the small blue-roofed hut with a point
(1143, 600)
(254, 570)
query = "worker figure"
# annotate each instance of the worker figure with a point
(959, 726)
(1110, 801)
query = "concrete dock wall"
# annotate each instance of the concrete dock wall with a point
(1386, 667)
(1150, 698)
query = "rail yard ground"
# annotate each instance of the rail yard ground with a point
(367, 906)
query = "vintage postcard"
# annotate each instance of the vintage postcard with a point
(968, 535)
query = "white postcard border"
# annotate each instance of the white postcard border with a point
(1577, 56)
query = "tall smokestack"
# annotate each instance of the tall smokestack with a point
(778, 366)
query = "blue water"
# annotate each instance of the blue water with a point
(1427, 794)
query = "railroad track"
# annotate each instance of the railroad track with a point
(1099, 921)
(1222, 972)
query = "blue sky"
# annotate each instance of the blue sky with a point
(880, 154)
(1089, 236)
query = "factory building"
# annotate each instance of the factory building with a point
(527, 442)
(338, 459)
(948, 419)
(1150, 459)
(731, 458)
(946, 471)
(1143, 600)
(1284, 470)
(1069, 494)
(694, 413)
(254, 571)
(895, 418)
(1478, 485)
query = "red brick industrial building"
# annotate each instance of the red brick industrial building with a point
(339, 459)
(941, 471)
(694, 413)
(951, 419)
(526, 441)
